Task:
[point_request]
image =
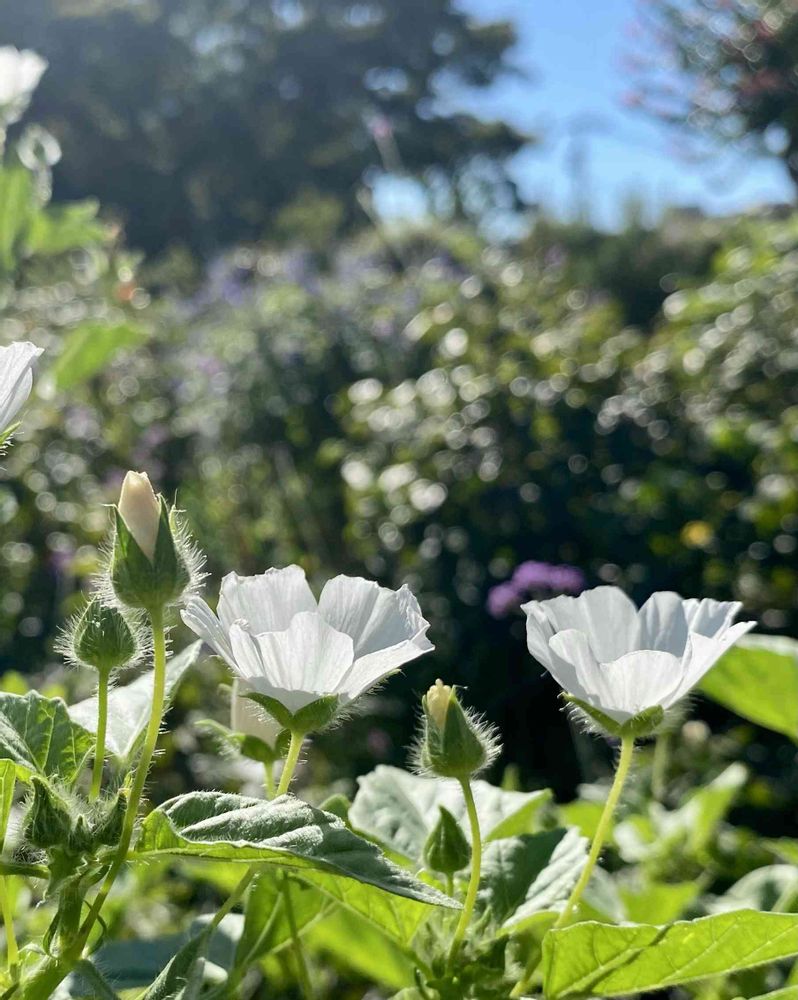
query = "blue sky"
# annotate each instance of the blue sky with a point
(572, 51)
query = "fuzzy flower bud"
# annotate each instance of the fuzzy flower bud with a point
(140, 510)
(454, 743)
(446, 851)
(101, 638)
(151, 565)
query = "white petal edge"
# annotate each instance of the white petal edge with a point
(266, 602)
(604, 614)
(204, 623)
(703, 652)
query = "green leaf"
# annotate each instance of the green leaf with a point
(266, 925)
(400, 810)
(528, 875)
(758, 679)
(38, 736)
(88, 348)
(604, 960)
(357, 945)
(788, 993)
(182, 977)
(65, 227)
(17, 207)
(8, 779)
(657, 902)
(289, 833)
(774, 887)
(129, 706)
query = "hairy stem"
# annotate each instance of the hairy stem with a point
(291, 760)
(600, 836)
(102, 726)
(46, 979)
(12, 951)
(476, 872)
(268, 780)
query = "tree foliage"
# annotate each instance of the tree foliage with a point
(206, 123)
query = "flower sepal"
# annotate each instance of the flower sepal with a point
(148, 583)
(249, 746)
(446, 851)
(309, 719)
(640, 726)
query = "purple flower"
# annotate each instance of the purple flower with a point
(504, 598)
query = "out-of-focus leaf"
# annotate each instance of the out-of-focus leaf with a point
(400, 810)
(266, 924)
(129, 707)
(17, 207)
(356, 944)
(182, 978)
(89, 347)
(774, 887)
(8, 779)
(658, 902)
(38, 735)
(528, 875)
(604, 960)
(65, 227)
(758, 679)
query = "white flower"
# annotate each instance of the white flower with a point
(620, 660)
(16, 378)
(283, 644)
(20, 73)
(249, 719)
(139, 509)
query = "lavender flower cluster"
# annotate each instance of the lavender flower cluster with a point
(529, 578)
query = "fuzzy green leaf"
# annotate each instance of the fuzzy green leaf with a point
(527, 875)
(129, 707)
(288, 833)
(39, 737)
(758, 680)
(592, 959)
(400, 810)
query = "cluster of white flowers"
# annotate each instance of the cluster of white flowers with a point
(283, 644)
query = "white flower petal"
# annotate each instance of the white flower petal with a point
(204, 623)
(662, 623)
(375, 617)
(639, 680)
(538, 632)
(573, 665)
(267, 602)
(297, 665)
(16, 379)
(709, 617)
(605, 615)
(703, 652)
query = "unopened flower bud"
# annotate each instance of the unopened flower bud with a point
(101, 638)
(151, 565)
(50, 820)
(447, 851)
(140, 510)
(455, 743)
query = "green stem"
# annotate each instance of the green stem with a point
(292, 757)
(302, 968)
(12, 951)
(102, 726)
(268, 780)
(476, 871)
(600, 836)
(234, 896)
(660, 765)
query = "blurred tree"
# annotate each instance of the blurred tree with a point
(725, 70)
(205, 122)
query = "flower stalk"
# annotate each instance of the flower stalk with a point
(12, 950)
(291, 761)
(602, 830)
(102, 727)
(476, 872)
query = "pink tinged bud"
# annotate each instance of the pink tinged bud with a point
(140, 510)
